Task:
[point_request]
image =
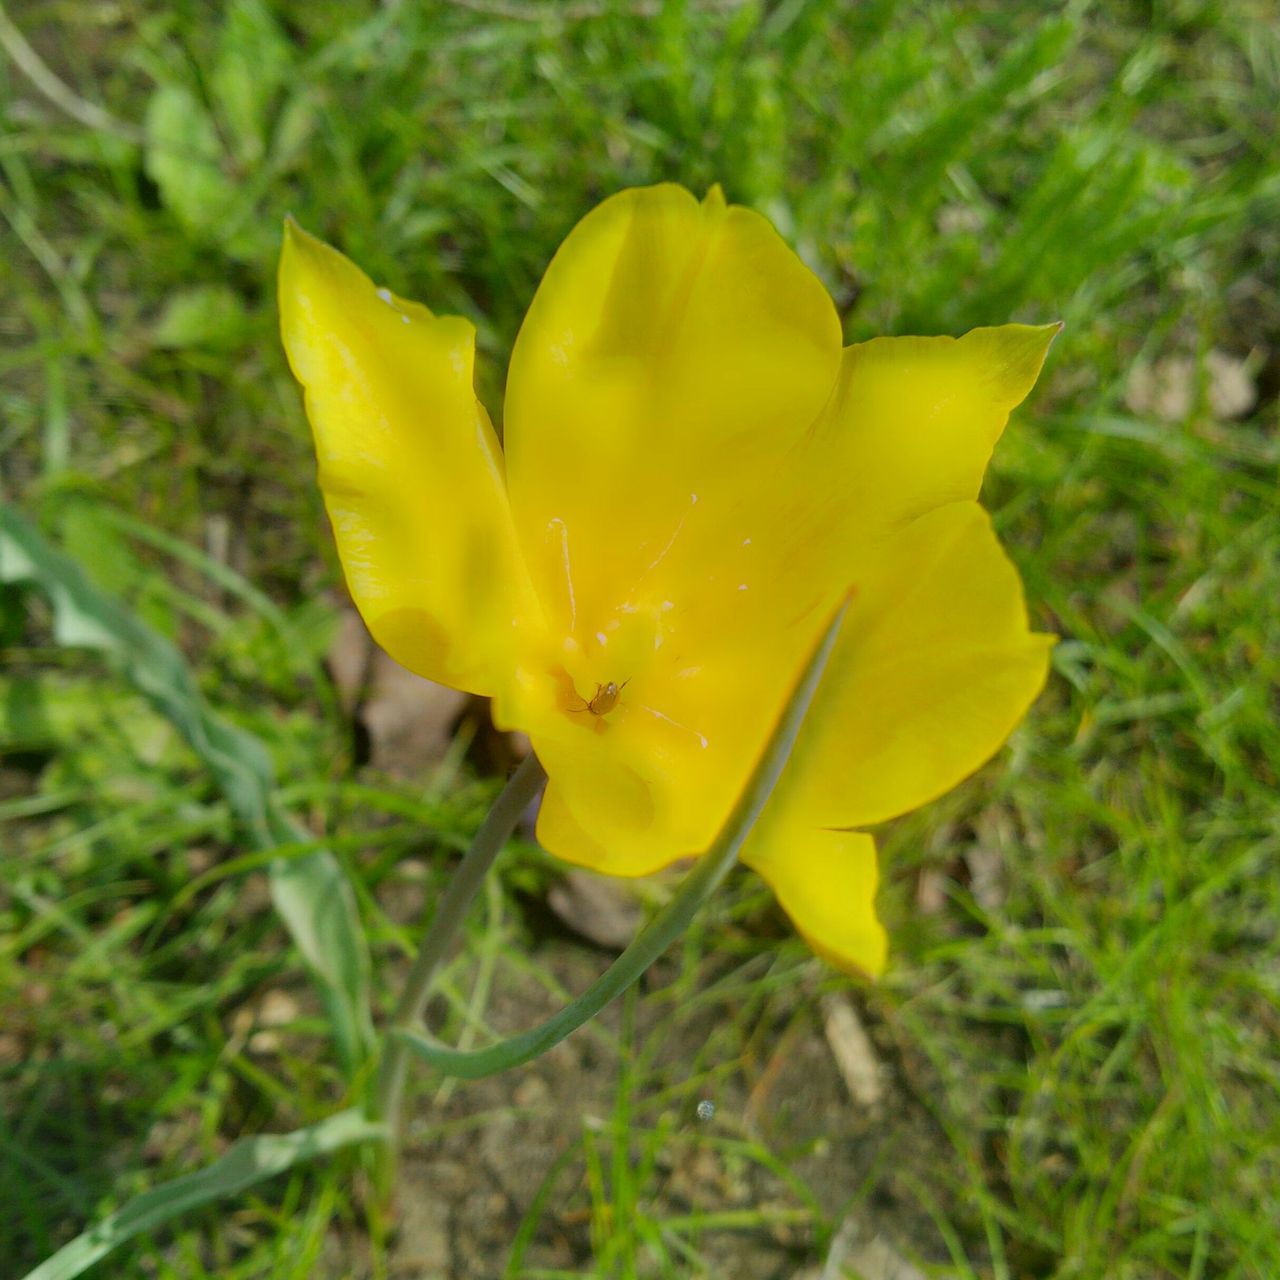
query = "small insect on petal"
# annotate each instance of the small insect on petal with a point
(605, 698)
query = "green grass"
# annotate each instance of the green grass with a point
(1082, 1028)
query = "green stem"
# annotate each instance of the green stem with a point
(674, 918)
(466, 882)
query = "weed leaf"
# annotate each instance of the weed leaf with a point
(311, 893)
(185, 160)
(246, 1163)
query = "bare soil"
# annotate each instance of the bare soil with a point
(478, 1159)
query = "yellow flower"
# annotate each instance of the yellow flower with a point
(695, 473)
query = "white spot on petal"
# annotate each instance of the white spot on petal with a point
(385, 294)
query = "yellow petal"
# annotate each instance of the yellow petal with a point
(653, 779)
(562, 834)
(660, 402)
(409, 466)
(933, 669)
(914, 420)
(673, 354)
(826, 882)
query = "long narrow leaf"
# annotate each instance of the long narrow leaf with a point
(674, 918)
(246, 1163)
(312, 893)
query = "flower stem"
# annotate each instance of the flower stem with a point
(698, 886)
(466, 882)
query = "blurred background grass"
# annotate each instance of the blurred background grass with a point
(1081, 1022)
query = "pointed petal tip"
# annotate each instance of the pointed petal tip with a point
(1050, 330)
(1011, 357)
(296, 245)
(1034, 333)
(305, 270)
(298, 239)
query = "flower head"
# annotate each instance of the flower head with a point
(695, 473)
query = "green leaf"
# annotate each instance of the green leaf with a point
(209, 315)
(312, 894)
(184, 159)
(671, 921)
(246, 1163)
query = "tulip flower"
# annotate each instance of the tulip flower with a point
(694, 472)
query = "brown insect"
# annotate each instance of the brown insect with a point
(604, 699)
